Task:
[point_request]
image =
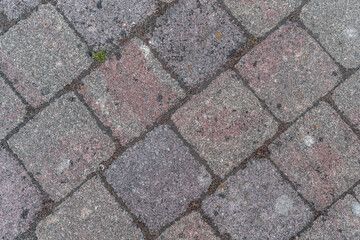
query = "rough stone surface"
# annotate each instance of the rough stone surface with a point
(320, 155)
(289, 70)
(158, 178)
(91, 213)
(42, 54)
(337, 25)
(257, 203)
(19, 198)
(225, 123)
(131, 90)
(347, 98)
(261, 16)
(195, 39)
(12, 9)
(61, 145)
(189, 227)
(12, 110)
(103, 23)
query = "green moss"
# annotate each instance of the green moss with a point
(99, 56)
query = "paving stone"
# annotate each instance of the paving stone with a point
(336, 24)
(260, 16)
(91, 213)
(12, 9)
(62, 145)
(42, 54)
(347, 98)
(341, 222)
(19, 199)
(12, 110)
(320, 154)
(130, 91)
(289, 70)
(195, 39)
(225, 123)
(158, 178)
(103, 23)
(257, 203)
(189, 227)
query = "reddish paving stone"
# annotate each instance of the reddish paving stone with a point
(260, 16)
(195, 39)
(289, 70)
(347, 98)
(158, 178)
(257, 203)
(103, 23)
(225, 123)
(12, 9)
(62, 145)
(19, 199)
(42, 54)
(189, 227)
(131, 90)
(12, 110)
(320, 154)
(90, 213)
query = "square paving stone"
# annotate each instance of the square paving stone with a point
(158, 178)
(12, 9)
(19, 198)
(260, 16)
(195, 39)
(289, 70)
(12, 110)
(189, 227)
(90, 213)
(131, 90)
(320, 154)
(347, 98)
(225, 123)
(42, 54)
(62, 145)
(103, 23)
(257, 203)
(337, 25)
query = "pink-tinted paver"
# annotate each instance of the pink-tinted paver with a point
(320, 155)
(131, 90)
(257, 203)
(189, 227)
(62, 145)
(19, 198)
(225, 123)
(289, 70)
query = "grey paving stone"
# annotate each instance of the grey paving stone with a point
(62, 145)
(158, 178)
(90, 213)
(225, 123)
(42, 54)
(257, 203)
(337, 25)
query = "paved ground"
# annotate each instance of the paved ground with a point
(207, 119)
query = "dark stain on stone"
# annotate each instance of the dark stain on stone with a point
(24, 214)
(118, 56)
(99, 4)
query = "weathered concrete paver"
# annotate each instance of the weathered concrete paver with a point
(131, 90)
(195, 39)
(250, 205)
(336, 23)
(261, 16)
(225, 123)
(62, 145)
(320, 155)
(12, 110)
(42, 54)
(158, 178)
(19, 198)
(91, 213)
(289, 70)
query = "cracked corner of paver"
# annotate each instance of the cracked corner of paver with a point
(90, 213)
(62, 145)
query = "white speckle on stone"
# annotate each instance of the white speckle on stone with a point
(284, 205)
(285, 58)
(145, 50)
(63, 165)
(351, 32)
(356, 208)
(309, 140)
